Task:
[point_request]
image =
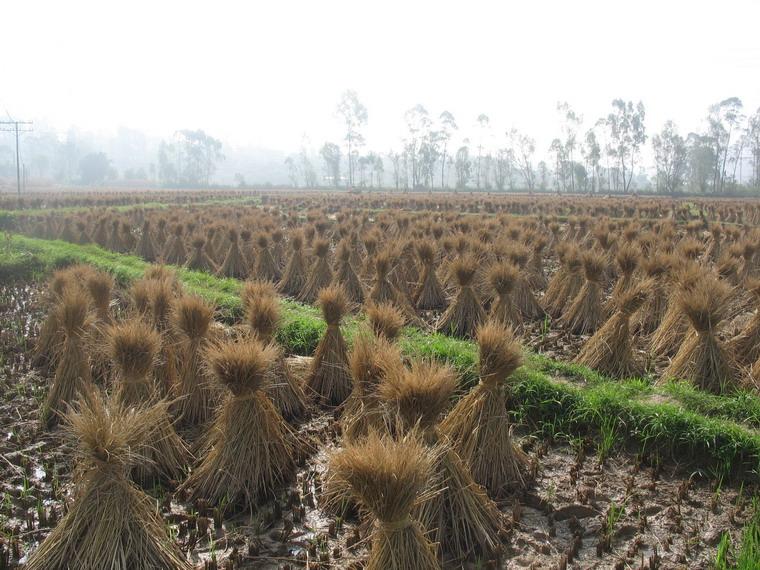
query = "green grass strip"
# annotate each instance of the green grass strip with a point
(681, 426)
(7, 217)
(741, 406)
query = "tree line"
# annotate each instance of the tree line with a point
(605, 156)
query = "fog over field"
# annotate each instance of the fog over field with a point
(487, 95)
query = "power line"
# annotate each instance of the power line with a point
(13, 127)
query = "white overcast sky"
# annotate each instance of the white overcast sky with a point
(266, 73)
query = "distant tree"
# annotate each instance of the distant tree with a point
(561, 165)
(201, 153)
(449, 166)
(375, 163)
(503, 168)
(592, 154)
(291, 163)
(239, 180)
(463, 166)
(167, 172)
(753, 143)
(580, 174)
(307, 169)
(447, 127)
(487, 167)
(670, 158)
(354, 115)
(428, 156)
(330, 153)
(94, 168)
(419, 124)
(396, 162)
(543, 176)
(483, 124)
(571, 121)
(627, 134)
(362, 163)
(723, 121)
(700, 154)
(522, 148)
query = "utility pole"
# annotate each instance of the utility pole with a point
(13, 126)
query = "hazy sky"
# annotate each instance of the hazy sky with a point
(269, 72)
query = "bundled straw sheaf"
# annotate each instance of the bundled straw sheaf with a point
(249, 450)
(610, 349)
(73, 373)
(703, 358)
(111, 523)
(329, 378)
(466, 313)
(387, 477)
(478, 427)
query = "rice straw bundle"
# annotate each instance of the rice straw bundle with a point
(46, 350)
(99, 285)
(196, 394)
(466, 313)
(503, 278)
(83, 237)
(385, 320)
(675, 324)
(346, 276)
(714, 246)
(161, 236)
(134, 347)
(429, 295)
(145, 246)
(568, 289)
(557, 281)
(463, 520)
(294, 277)
(111, 523)
(586, 314)
(387, 477)
(369, 357)
(478, 426)
(72, 374)
(266, 268)
(67, 234)
(278, 250)
(234, 264)
(329, 378)
(174, 252)
(746, 345)
(536, 276)
(749, 268)
(263, 318)
(610, 349)
(654, 308)
(321, 274)
(199, 259)
(115, 242)
(384, 292)
(248, 452)
(161, 298)
(703, 359)
(627, 258)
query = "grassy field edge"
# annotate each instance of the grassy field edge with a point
(555, 398)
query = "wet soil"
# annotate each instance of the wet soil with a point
(579, 514)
